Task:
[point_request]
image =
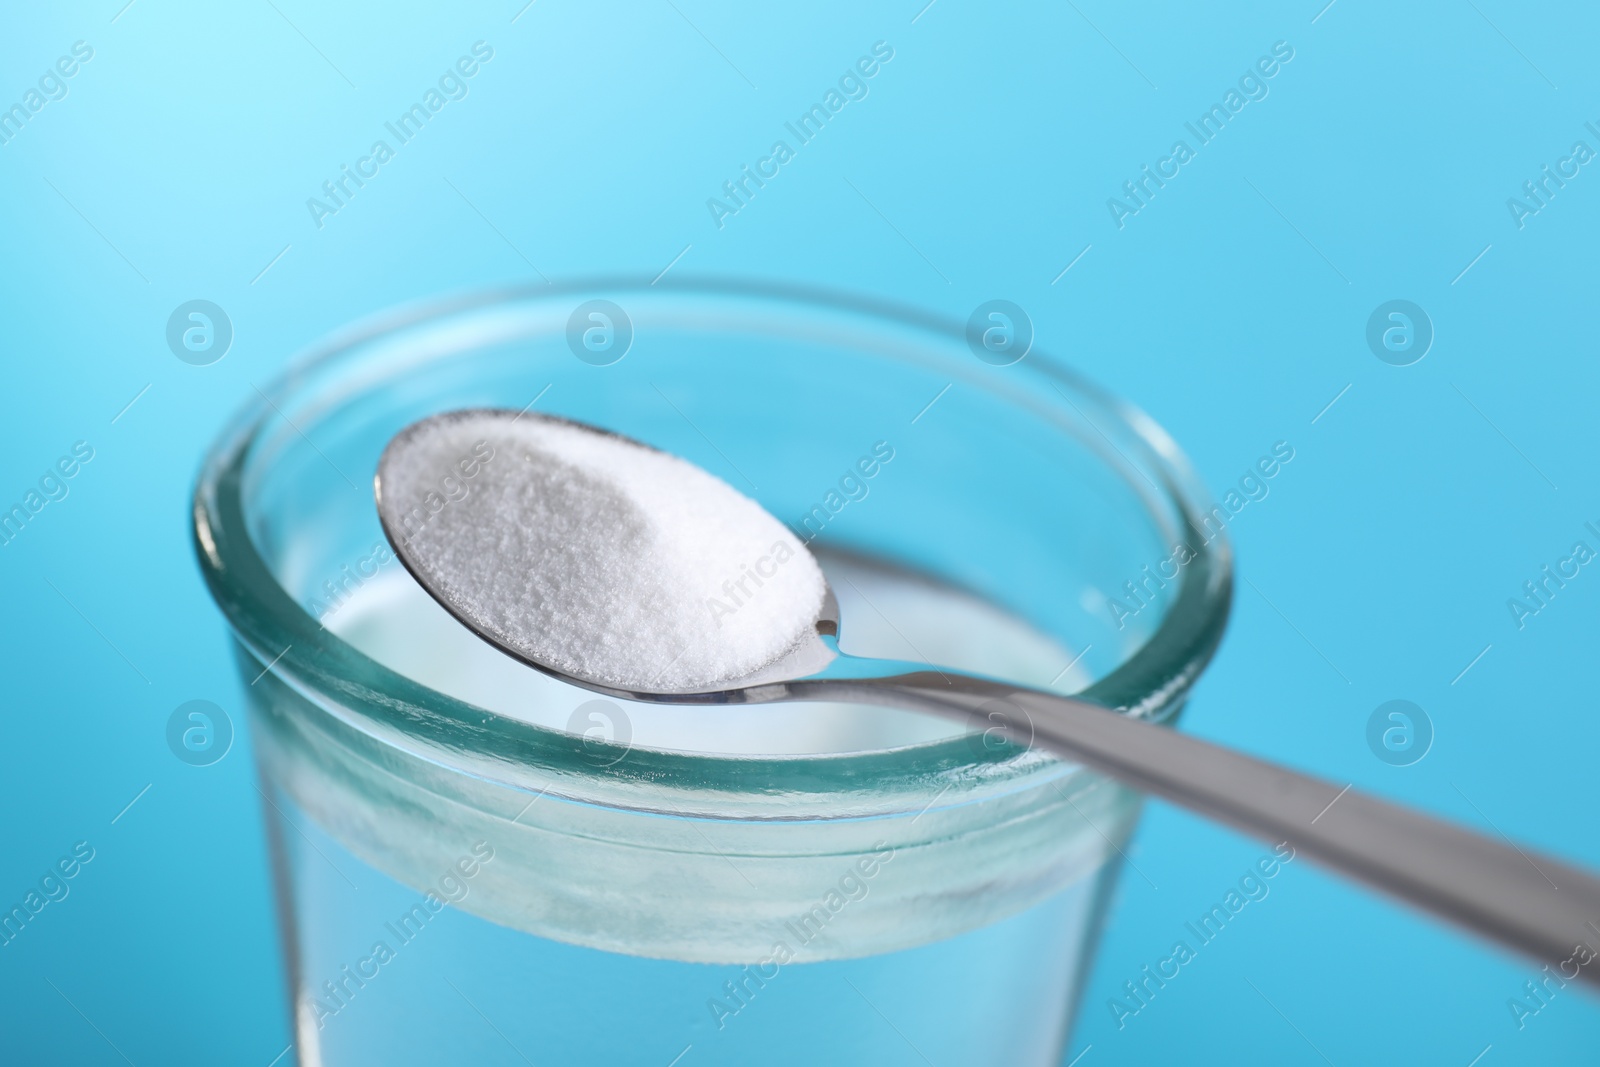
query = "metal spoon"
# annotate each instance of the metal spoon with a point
(1527, 902)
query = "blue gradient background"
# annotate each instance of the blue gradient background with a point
(1232, 308)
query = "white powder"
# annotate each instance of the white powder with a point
(595, 555)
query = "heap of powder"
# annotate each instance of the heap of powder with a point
(593, 554)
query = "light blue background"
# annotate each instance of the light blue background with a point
(1232, 308)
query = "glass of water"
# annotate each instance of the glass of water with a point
(477, 863)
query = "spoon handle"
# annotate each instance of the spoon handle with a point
(1527, 902)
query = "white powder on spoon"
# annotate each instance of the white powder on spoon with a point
(593, 554)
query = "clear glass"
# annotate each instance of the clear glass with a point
(476, 863)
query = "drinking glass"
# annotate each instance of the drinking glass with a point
(478, 863)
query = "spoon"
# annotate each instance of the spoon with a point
(1530, 903)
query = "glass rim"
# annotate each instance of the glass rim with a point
(290, 643)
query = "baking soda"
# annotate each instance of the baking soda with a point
(595, 555)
